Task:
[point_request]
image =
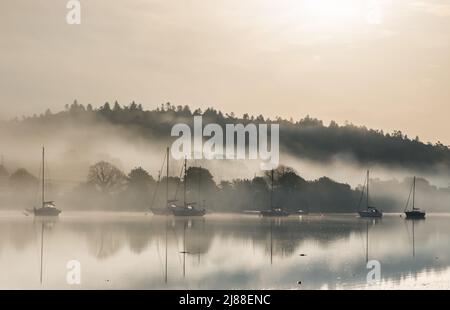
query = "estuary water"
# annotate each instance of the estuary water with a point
(221, 251)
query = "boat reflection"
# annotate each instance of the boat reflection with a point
(219, 251)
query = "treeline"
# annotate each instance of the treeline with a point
(307, 138)
(108, 188)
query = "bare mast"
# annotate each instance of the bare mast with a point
(167, 205)
(43, 180)
(167, 177)
(367, 202)
(271, 191)
(185, 175)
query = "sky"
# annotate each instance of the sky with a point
(384, 64)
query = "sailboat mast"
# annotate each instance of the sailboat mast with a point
(185, 174)
(414, 192)
(43, 171)
(271, 191)
(367, 202)
(199, 194)
(167, 176)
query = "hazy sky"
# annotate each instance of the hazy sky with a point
(383, 64)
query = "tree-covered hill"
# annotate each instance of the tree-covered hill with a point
(307, 138)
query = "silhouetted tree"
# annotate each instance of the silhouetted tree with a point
(106, 177)
(140, 179)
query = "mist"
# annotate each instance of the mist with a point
(76, 139)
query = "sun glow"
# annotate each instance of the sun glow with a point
(342, 12)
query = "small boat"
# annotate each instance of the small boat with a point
(413, 213)
(167, 209)
(187, 209)
(48, 208)
(370, 211)
(273, 212)
(303, 212)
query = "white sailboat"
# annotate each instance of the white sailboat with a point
(48, 208)
(273, 212)
(369, 211)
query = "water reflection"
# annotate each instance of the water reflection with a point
(222, 251)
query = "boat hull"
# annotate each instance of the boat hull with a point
(46, 211)
(415, 215)
(187, 212)
(373, 213)
(274, 213)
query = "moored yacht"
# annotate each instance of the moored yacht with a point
(369, 211)
(413, 213)
(186, 209)
(48, 208)
(167, 209)
(273, 212)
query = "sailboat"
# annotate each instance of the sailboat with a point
(369, 211)
(303, 211)
(187, 209)
(273, 211)
(47, 208)
(167, 210)
(414, 213)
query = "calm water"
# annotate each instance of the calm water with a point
(223, 251)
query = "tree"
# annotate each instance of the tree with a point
(278, 173)
(200, 184)
(259, 185)
(138, 192)
(106, 177)
(291, 181)
(106, 107)
(199, 175)
(116, 107)
(133, 106)
(139, 178)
